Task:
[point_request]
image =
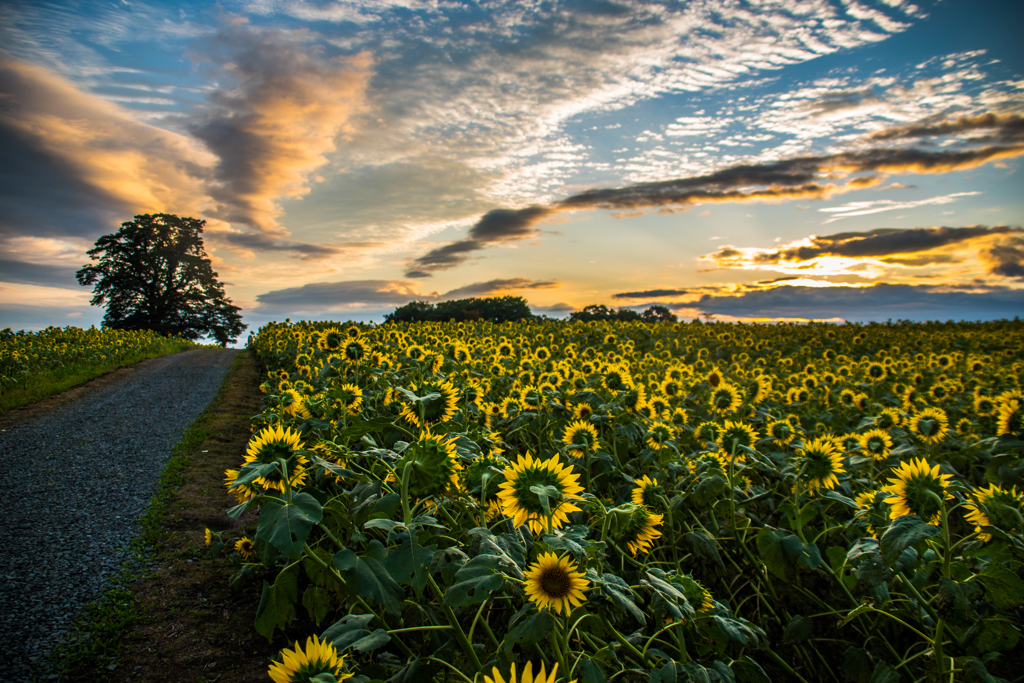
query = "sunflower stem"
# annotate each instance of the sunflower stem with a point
(626, 645)
(460, 635)
(407, 512)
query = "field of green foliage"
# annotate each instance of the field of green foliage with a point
(34, 365)
(637, 502)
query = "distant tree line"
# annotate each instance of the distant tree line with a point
(514, 309)
(499, 309)
(654, 314)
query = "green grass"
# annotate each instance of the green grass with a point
(96, 644)
(49, 383)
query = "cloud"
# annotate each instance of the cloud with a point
(865, 208)
(798, 178)
(1004, 127)
(877, 243)
(493, 286)
(1005, 259)
(84, 163)
(22, 272)
(494, 227)
(322, 297)
(876, 303)
(651, 294)
(276, 120)
(261, 242)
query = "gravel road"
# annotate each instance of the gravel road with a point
(77, 478)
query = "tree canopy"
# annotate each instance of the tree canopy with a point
(495, 309)
(154, 274)
(654, 314)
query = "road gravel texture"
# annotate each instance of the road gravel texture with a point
(76, 479)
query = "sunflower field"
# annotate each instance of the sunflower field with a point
(36, 364)
(637, 502)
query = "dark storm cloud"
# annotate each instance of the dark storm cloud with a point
(879, 242)
(1005, 127)
(879, 302)
(492, 286)
(21, 272)
(650, 294)
(495, 227)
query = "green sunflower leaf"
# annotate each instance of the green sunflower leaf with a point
(533, 629)
(409, 563)
(370, 579)
(1003, 588)
(902, 533)
(474, 582)
(277, 603)
(287, 525)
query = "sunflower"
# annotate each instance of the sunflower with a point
(527, 676)
(242, 492)
(877, 372)
(208, 537)
(348, 398)
(821, 461)
(781, 432)
(553, 582)
(645, 491)
(271, 444)
(617, 378)
(761, 390)
(511, 406)
(995, 507)
(964, 426)
(861, 402)
(245, 547)
(736, 434)
(930, 425)
(294, 404)
(672, 388)
(299, 666)
(846, 397)
(918, 489)
(725, 399)
(634, 398)
(435, 410)
(331, 339)
(679, 417)
(888, 418)
(984, 405)
(714, 378)
(865, 500)
(524, 506)
(696, 594)
(355, 350)
(580, 437)
(708, 431)
(1010, 418)
(432, 464)
(658, 434)
(634, 525)
(877, 442)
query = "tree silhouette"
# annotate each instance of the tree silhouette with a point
(154, 274)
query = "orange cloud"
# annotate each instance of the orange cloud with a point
(136, 166)
(277, 121)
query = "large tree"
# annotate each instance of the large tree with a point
(154, 274)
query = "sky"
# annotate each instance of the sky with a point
(761, 160)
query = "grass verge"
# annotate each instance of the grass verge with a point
(179, 621)
(46, 384)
